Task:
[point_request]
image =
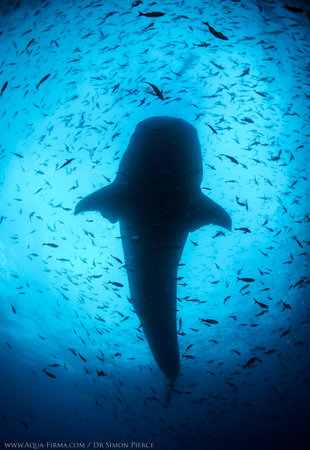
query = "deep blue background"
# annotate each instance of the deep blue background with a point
(87, 110)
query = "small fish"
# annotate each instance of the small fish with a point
(210, 321)
(246, 280)
(151, 14)
(4, 87)
(148, 27)
(29, 43)
(211, 128)
(23, 423)
(117, 259)
(180, 324)
(152, 398)
(244, 229)
(13, 309)
(227, 298)
(66, 163)
(215, 33)
(42, 80)
(202, 44)
(156, 90)
(101, 373)
(211, 167)
(299, 243)
(235, 351)
(142, 102)
(136, 3)
(17, 154)
(189, 356)
(262, 305)
(293, 9)
(270, 352)
(82, 357)
(251, 361)
(286, 332)
(49, 374)
(218, 66)
(262, 94)
(245, 72)
(285, 306)
(50, 244)
(115, 87)
(115, 283)
(242, 204)
(231, 158)
(219, 233)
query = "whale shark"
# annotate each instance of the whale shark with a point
(157, 200)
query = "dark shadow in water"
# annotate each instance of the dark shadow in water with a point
(157, 199)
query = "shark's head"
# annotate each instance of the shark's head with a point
(159, 175)
(163, 152)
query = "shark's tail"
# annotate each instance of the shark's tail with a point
(169, 389)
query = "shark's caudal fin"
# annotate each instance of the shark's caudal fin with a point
(169, 389)
(204, 211)
(105, 200)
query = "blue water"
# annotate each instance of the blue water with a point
(253, 90)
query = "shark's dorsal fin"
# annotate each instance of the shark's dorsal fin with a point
(204, 211)
(105, 200)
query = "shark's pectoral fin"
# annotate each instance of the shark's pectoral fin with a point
(204, 211)
(105, 200)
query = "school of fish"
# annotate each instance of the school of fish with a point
(75, 79)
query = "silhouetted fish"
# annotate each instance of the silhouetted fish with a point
(157, 199)
(152, 14)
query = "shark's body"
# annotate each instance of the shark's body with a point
(156, 197)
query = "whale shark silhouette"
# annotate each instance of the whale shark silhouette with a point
(156, 198)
